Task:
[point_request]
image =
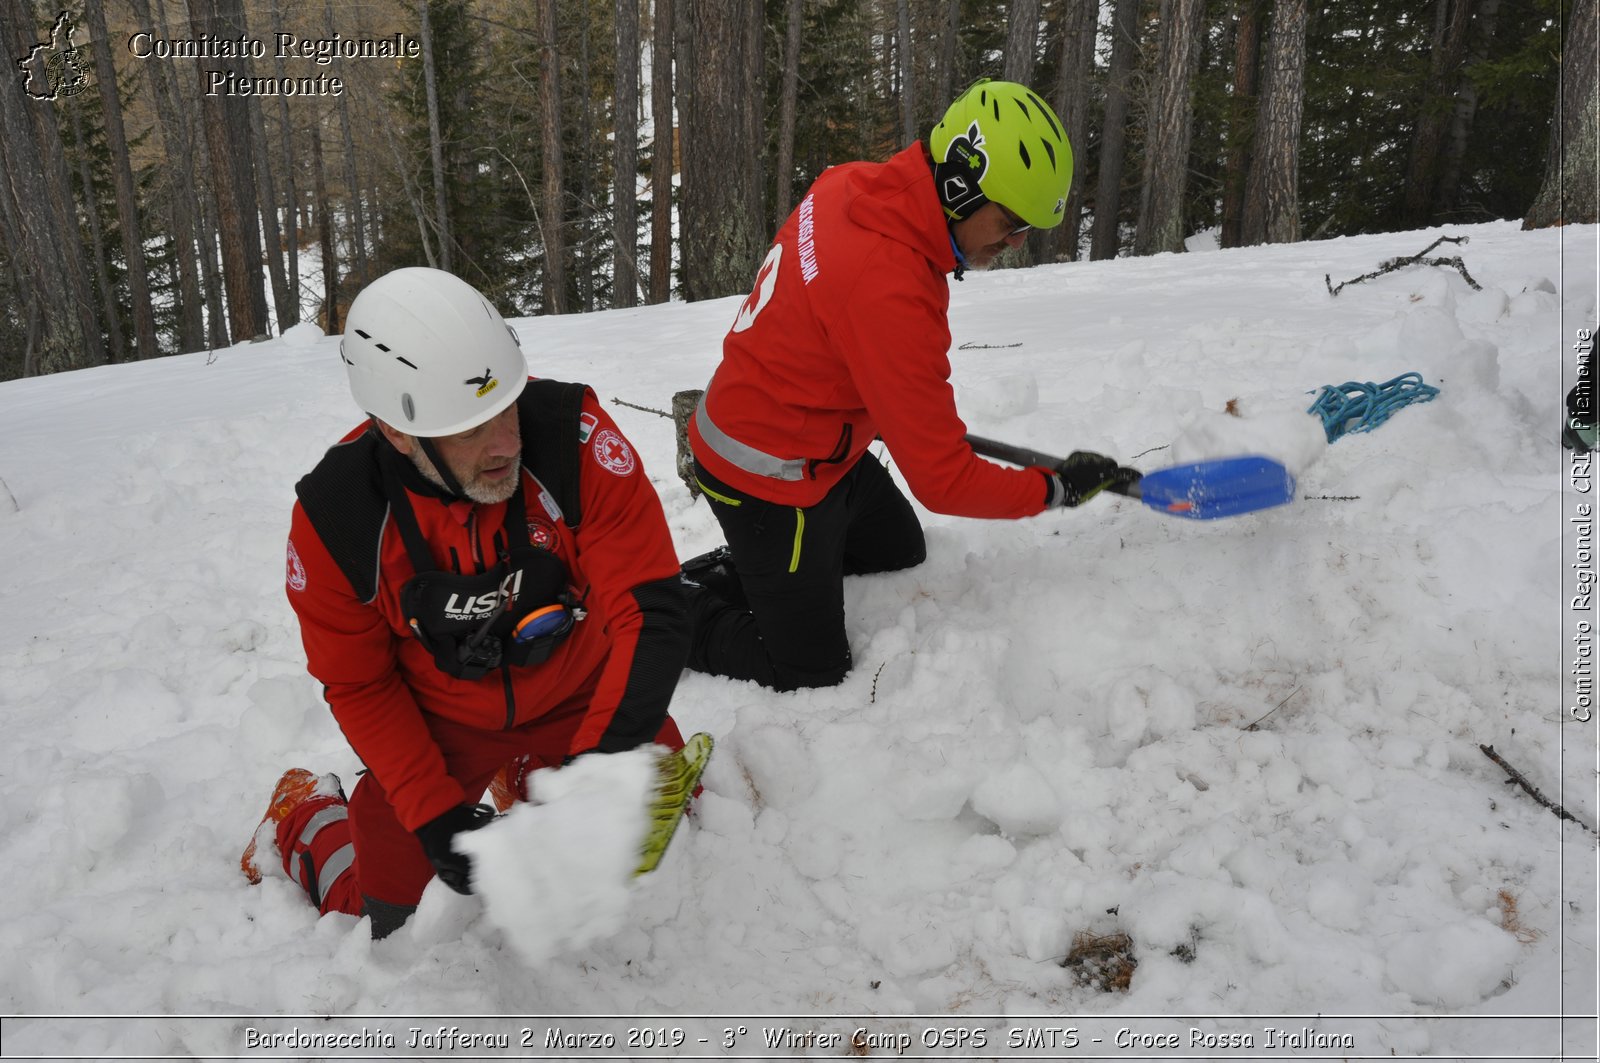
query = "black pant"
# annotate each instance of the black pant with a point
(792, 563)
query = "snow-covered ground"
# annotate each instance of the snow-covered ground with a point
(1250, 745)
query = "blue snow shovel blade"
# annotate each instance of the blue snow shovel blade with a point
(1226, 487)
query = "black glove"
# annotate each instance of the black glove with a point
(454, 869)
(1084, 474)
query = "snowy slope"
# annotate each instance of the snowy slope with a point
(1049, 730)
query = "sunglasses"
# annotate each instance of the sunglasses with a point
(1016, 223)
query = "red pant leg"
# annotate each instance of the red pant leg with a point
(390, 866)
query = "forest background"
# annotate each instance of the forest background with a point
(516, 143)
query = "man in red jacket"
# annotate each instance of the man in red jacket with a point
(844, 340)
(485, 584)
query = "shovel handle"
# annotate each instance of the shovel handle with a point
(1015, 455)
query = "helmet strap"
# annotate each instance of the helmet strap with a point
(961, 260)
(441, 466)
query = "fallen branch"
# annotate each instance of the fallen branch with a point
(641, 409)
(1532, 791)
(1392, 264)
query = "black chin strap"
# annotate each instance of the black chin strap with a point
(450, 482)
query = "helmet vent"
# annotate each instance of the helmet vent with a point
(384, 347)
(363, 335)
(1048, 117)
(405, 361)
(1027, 160)
(1048, 150)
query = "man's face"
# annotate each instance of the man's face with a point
(986, 232)
(485, 459)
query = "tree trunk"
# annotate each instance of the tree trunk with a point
(206, 234)
(723, 220)
(661, 151)
(949, 33)
(1568, 195)
(289, 314)
(582, 170)
(1452, 20)
(1241, 118)
(356, 211)
(907, 79)
(1169, 128)
(1022, 36)
(788, 103)
(553, 188)
(441, 207)
(1079, 27)
(1272, 198)
(102, 273)
(183, 201)
(271, 238)
(144, 318)
(227, 133)
(625, 197)
(1106, 238)
(331, 317)
(1447, 192)
(69, 335)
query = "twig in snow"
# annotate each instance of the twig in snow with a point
(15, 508)
(642, 409)
(1152, 450)
(1256, 726)
(1532, 791)
(1392, 264)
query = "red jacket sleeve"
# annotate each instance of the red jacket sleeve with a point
(625, 551)
(351, 650)
(894, 335)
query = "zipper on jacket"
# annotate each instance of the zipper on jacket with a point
(472, 537)
(841, 450)
(511, 697)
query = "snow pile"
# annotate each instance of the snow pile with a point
(556, 874)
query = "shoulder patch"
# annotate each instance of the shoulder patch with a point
(613, 453)
(586, 427)
(296, 575)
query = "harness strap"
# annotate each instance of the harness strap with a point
(405, 518)
(743, 455)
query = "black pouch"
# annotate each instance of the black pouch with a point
(516, 613)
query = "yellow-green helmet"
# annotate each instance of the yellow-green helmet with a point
(1000, 142)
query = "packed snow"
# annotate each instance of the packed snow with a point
(1248, 749)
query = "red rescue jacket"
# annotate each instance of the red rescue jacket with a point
(845, 338)
(381, 682)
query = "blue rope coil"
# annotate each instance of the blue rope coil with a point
(1356, 407)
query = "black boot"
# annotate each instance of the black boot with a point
(714, 571)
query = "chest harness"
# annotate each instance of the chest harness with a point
(516, 612)
(513, 612)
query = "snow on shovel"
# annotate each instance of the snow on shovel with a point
(1202, 490)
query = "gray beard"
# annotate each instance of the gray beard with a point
(485, 494)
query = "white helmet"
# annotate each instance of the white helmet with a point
(428, 355)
